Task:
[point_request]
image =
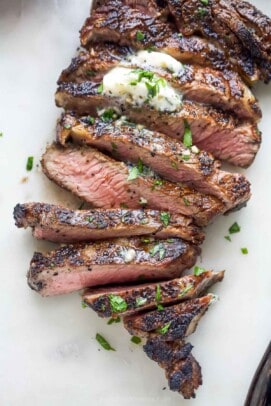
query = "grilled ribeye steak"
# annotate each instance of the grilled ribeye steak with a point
(58, 224)
(149, 296)
(182, 370)
(106, 183)
(78, 266)
(213, 131)
(165, 156)
(220, 89)
(171, 323)
(237, 26)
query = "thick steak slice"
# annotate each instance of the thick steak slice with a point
(148, 296)
(106, 183)
(237, 26)
(159, 152)
(118, 23)
(182, 370)
(58, 224)
(213, 131)
(75, 267)
(220, 89)
(170, 324)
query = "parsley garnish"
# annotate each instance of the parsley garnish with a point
(100, 88)
(198, 271)
(235, 228)
(91, 72)
(114, 146)
(201, 12)
(67, 126)
(83, 305)
(152, 89)
(104, 343)
(91, 120)
(140, 36)
(158, 248)
(185, 290)
(165, 218)
(133, 173)
(186, 201)
(160, 307)
(187, 136)
(164, 329)
(228, 238)
(140, 301)
(112, 320)
(117, 303)
(136, 340)
(174, 165)
(29, 163)
(205, 2)
(158, 295)
(140, 166)
(108, 115)
(124, 206)
(89, 219)
(158, 182)
(244, 251)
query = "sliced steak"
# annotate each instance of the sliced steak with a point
(159, 152)
(182, 370)
(148, 296)
(58, 224)
(104, 182)
(75, 267)
(213, 131)
(170, 324)
(238, 27)
(119, 23)
(221, 89)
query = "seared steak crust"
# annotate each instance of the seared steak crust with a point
(170, 324)
(58, 224)
(103, 182)
(74, 267)
(158, 151)
(213, 131)
(144, 297)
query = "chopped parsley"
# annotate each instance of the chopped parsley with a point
(145, 240)
(136, 340)
(91, 120)
(202, 12)
(205, 2)
(133, 173)
(124, 206)
(160, 307)
(114, 146)
(1, 134)
(186, 157)
(158, 248)
(228, 238)
(29, 163)
(140, 36)
(164, 329)
(165, 218)
(109, 115)
(158, 182)
(83, 305)
(186, 201)
(198, 270)
(90, 72)
(89, 219)
(104, 343)
(185, 290)
(140, 301)
(81, 206)
(158, 294)
(140, 166)
(187, 136)
(67, 126)
(117, 303)
(174, 165)
(235, 228)
(244, 251)
(113, 320)
(100, 88)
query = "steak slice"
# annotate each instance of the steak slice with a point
(238, 27)
(78, 266)
(182, 370)
(58, 224)
(220, 89)
(213, 131)
(170, 324)
(116, 22)
(130, 143)
(148, 296)
(104, 183)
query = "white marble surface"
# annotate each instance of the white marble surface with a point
(48, 354)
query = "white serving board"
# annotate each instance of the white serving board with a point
(48, 354)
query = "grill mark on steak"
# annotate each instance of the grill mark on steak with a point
(179, 320)
(224, 90)
(78, 266)
(213, 131)
(144, 297)
(58, 224)
(102, 181)
(157, 151)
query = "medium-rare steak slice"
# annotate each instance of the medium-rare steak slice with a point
(58, 224)
(213, 131)
(116, 22)
(237, 26)
(182, 370)
(106, 183)
(171, 323)
(220, 89)
(130, 143)
(149, 296)
(75, 267)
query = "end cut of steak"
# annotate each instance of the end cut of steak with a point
(106, 183)
(75, 267)
(182, 370)
(213, 131)
(58, 224)
(148, 296)
(170, 324)
(165, 156)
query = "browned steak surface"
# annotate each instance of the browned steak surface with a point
(75, 267)
(237, 26)
(106, 183)
(148, 296)
(171, 323)
(221, 89)
(182, 370)
(165, 156)
(213, 131)
(58, 224)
